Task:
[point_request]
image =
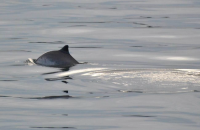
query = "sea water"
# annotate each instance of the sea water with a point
(142, 68)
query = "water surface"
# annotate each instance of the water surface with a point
(142, 71)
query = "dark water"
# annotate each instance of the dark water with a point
(142, 72)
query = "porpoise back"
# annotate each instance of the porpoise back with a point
(60, 58)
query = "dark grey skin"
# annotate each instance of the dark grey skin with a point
(60, 58)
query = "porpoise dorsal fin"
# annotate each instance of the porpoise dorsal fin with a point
(65, 49)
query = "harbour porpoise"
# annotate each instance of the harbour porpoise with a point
(60, 58)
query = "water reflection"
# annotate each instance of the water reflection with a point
(79, 71)
(59, 78)
(60, 70)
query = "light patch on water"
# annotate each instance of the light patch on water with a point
(171, 36)
(155, 80)
(163, 36)
(79, 71)
(190, 70)
(185, 88)
(167, 76)
(175, 58)
(62, 31)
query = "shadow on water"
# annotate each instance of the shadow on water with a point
(59, 78)
(54, 97)
(137, 116)
(15, 38)
(77, 26)
(145, 17)
(4, 96)
(65, 91)
(65, 82)
(18, 65)
(124, 91)
(8, 80)
(80, 127)
(139, 23)
(54, 127)
(136, 46)
(65, 114)
(56, 42)
(96, 95)
(86, 22)
(44, 97)
(146, 25)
